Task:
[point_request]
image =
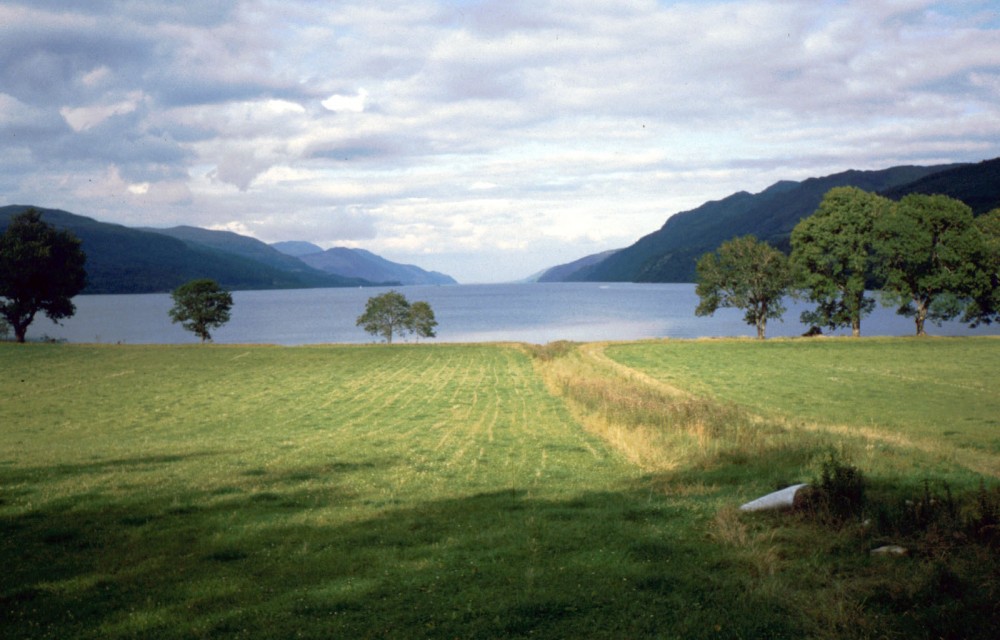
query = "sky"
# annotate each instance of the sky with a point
(486, 139)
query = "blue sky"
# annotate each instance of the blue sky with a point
(485, 139)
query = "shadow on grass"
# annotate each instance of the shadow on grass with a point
(287, 555)
(297, 561)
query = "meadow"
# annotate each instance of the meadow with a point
(496, 490)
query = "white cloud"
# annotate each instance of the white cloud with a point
(83, 118)
(541, 129)
(353, 103)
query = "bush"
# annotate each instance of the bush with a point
(838, 494)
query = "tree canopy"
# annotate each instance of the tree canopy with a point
(984, 296)
(41, 269)
(392, 314)
(747, 274)
(832, 256)
(929, 257)
(200, 305)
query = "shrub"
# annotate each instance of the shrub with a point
(838, 494)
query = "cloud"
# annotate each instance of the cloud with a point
(83, 118)
(428, 128)
(353, 103)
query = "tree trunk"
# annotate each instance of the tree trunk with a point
(20, 329)
(856, 327)
(761, 328)
(920, 318)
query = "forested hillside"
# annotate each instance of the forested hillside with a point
(125, 260)
(669, 254)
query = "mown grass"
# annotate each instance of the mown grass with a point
(442, 491)
(933, 494)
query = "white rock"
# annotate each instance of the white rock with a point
(889, 550)
(778, 500)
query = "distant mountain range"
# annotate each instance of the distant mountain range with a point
(145, 260)
(670, 253)
(361, 264)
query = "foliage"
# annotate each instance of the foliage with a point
(832, 256)
(422, 321)
(391, 314)
(41, 269)
(201, 305)
(984, 296)
(927, 249)
(669, 253)
(838, 494)
(746, 274)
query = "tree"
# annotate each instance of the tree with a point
(200, 305)
(746, 274)
(41, 269)
(832, 257)
(984, 299)
(926, 248)
(422, 320)
(391, 313)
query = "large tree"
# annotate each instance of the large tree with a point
(832, 257)
(927, 248)
(201, 305)
(41, 269)
(747, 274)
(392, 314)
(984, 297)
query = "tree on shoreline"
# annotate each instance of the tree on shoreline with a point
(984, 303)
(41, 269)
(747, 274)
(928, 257)
(832, 257)
(391, 314)
(201, 305)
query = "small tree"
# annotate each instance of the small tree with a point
(41, 269)
(832, 256)
(391, 314)
(927, 250)
(422, 320)
(746, 274)
(201, 305)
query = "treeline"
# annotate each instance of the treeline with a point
(927, 255)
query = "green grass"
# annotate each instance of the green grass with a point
(444, 491)
(940, 395)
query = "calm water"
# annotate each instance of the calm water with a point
(536, 313)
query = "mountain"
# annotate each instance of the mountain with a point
(244, 246)
(296, 248)
(670, 253)
(561, 272)
(977, 185)
(359, 263)
(126, 260)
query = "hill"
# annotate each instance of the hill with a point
(244, 246)
(359, 263)
(669, 254)
(122, 259)
(561, 272)
(977, 185)
(296, 248)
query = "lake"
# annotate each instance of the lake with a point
(536, 313)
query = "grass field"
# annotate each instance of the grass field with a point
(476, 491)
